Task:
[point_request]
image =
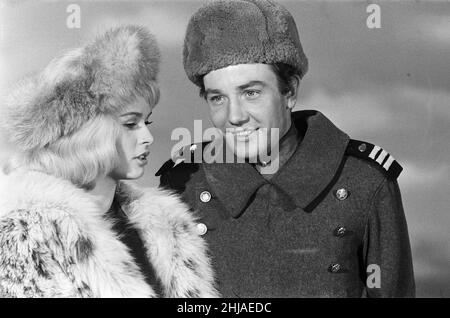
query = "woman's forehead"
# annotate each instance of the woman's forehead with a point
(138, 105)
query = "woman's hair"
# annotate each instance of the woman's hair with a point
(64, 120)
(82, 157)
(87, 153)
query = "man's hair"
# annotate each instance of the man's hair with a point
(285, 74)
(82, 157)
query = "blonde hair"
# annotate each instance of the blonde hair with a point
(81, 157)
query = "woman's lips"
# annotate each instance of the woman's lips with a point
(142, 158)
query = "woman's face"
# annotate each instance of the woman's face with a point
(134, 141)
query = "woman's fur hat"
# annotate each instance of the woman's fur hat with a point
(223, 33)
(98, 78)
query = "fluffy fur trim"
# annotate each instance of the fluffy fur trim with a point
(223, 33)
(55, 242)
(81, 84)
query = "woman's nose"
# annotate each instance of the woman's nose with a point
(146, 137)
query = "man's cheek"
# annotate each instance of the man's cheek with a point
(219, 118)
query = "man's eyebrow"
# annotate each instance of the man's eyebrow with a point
(212, 91)
(241, 87)
(250, 84)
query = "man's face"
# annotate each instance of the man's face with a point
(245, 104)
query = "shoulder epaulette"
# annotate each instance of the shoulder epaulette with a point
(375, 154)
(192, 152)
(169, 164)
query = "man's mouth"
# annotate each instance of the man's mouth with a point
(242, 133)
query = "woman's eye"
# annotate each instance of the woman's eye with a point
(130, 125)
(148, 123)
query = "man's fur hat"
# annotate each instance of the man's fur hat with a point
(98, 78)
(223, 33)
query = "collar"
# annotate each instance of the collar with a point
(288, 144)
(301, 179)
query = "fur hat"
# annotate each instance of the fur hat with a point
(98, 78)
(223, 33)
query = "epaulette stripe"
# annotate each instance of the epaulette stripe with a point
(388, 163)
(178, 161)
(385, 159)
(381, 157)
(374, 152)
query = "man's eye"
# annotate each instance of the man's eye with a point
(252, 93)
(217, 100)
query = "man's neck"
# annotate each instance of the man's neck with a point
(103, 193)
(287, 146)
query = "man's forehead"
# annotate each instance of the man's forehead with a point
(239, 76)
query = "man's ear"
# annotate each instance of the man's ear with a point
(291, 96)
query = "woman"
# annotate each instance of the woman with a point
(68, 226)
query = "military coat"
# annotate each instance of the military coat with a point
(329, 223)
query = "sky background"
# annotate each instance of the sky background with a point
(389, 86)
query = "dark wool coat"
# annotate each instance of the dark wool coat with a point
(56, 242)
(330, 223)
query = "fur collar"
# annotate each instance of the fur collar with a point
(54, 241)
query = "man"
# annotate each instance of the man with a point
(329, 221)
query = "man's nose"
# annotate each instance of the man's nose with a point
(236, 113)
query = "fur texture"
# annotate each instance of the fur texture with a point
(54, 242)
(223, 33)
(81, 84)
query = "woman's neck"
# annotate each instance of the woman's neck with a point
(103, 193)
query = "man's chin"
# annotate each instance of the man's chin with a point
(245, 151)
(244, 155)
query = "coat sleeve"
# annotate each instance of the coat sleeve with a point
(387, 248)
(34, 261)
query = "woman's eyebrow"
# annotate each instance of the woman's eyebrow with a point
(137, 114)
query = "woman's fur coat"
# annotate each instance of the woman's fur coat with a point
(55, 242)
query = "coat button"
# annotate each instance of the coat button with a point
(340, 231)
(205, 196)
(362, 147)
(335, 268)
(202, 229)
(341, 194)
